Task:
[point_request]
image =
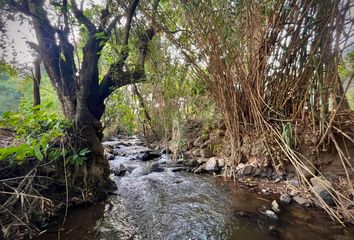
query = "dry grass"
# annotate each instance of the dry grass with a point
(270, 65)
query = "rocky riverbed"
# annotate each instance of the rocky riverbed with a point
(161, 198)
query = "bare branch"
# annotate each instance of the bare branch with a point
(79, 15)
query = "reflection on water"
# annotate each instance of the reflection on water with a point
(177, 205)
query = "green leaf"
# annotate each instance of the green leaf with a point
(37, 152)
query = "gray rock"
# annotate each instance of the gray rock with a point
(319, 189)
(302, 201)
(240, 167)
(321, 192)
(120, 171)
(214, 164)
(294, 182)
(285, 198)
(257, 171)
(275, 206)
(109, 156)
(270, 214)
(247, 170)
(294, 192)
(156, 167)
(149, 155)
(206, 153)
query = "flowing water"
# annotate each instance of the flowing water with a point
(164, 204)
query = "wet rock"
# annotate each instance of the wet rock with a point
(206, 153)
(302, 201)
(272, 215)
(285, 198)
(275, 206)
(247, 170)
(156, 167)
(109, 156)
(200, 169)
(274, 230)
(165, 150)
(191, 163)
(179, 169)
(147, 156)
(120, 171)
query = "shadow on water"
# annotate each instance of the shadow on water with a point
(179, 205)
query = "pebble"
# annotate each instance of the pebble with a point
(285, 198)
(270, 214)
(302, 201)
(275, 206)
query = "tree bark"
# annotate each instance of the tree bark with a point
(36, 82)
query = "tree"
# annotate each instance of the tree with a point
(78, 85)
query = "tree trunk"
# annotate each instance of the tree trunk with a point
(36, 83)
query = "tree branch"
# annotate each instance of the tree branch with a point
(79, 15)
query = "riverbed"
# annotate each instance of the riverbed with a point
(155, 200)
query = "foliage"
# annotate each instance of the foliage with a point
(35, 129)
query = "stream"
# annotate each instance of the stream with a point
(155, 201)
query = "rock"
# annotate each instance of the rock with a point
(320, 181)
(199, 141)
(200, 169)
(270, 214)
(319, 189)
(165, 150)
(146, 156)
(247, 170)
(214, 164)
(191, 163)
(257, 172)
(274, 230)
(285, 198)
(109, 156)
(179, 169)
(196, 152)
(120, 171)
(206, 153)
(302, 201)
(275, 206)
(324, 194)
(156, 167)
(200, 161)
(240, 166)
(294, 192)
(294, 182)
